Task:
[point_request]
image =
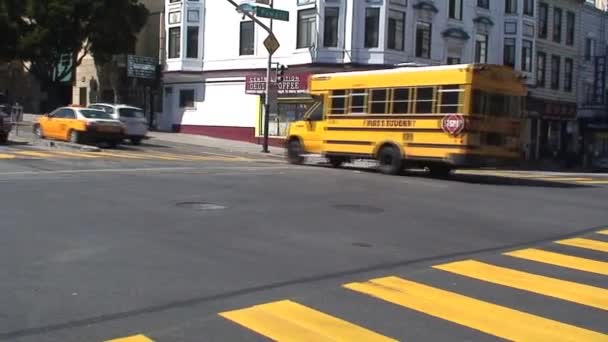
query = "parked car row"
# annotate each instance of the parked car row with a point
(98, 123)
(6, 124)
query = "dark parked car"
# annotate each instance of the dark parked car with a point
(5, 119)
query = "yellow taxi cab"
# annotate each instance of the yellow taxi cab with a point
(78, 125)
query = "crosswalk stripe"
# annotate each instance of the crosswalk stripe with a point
(594, 182)
(289, 321)
(135, 338)
(562, 260)
(6, 156)
(566, 290)
(490, 318)
(33, 154)
(585, 243)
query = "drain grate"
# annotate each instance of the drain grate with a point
(359, 208)
(201, 206)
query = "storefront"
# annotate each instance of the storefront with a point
(291, 105)
(553, 129)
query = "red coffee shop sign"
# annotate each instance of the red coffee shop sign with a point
(292, 84)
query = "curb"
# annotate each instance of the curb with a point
(65, 145)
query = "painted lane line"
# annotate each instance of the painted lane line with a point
(595, 245)
(489, 318)
(564, 179)
(135, 338)
(562, 260)
(562, 289)
(33, 154)
(603, 232)
(6, 156)
(289, 321)
(594, 182)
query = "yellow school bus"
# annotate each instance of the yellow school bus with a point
(437, 117)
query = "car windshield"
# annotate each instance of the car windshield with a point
(95, 114)
(131, 113)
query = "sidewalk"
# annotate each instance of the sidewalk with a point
(223, 144)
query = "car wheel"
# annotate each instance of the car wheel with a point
(295, 152)
(3, 138)
(74, 137)
(390, 161)
(38, 132)
(136, 141)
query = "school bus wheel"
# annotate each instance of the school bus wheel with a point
(295, 151)
(390, 160)
(337, 161)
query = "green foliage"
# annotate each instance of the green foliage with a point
(40, 32)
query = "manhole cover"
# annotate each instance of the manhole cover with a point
(200, 206)
(359, 208)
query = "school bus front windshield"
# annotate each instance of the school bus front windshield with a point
(435, 117)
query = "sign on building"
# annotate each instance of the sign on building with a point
(141, 67)
(292, 84)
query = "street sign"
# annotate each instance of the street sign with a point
(141, 67)
(271, 13)
(271, 43)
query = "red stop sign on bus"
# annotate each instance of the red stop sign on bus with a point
(452, 124)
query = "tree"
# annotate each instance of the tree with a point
(44, 34)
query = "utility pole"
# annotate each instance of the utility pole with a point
(267, 100)
(269, 67)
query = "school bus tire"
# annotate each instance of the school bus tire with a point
(295, 151)
(390, 160)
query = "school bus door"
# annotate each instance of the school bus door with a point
(314, 129)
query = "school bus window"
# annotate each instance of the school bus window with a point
(315, 112)
(450, 99)
(378, 103)
(338, 102)
(425, 100)
(401, 100)
(358, 101)
(479, 100)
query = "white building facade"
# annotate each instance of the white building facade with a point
(216, 60)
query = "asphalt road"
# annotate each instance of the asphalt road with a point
(177, 243)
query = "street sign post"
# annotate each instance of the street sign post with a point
(271, 13)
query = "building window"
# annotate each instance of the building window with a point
(526, 55)
(568, 73)
(543, 20)
(423, 40)
(186, 98)
(555, 72)
(481, 48)
(541, 69)
(192, 42)
(455, 9)
(396, 30)
(330, 27)
(570, 28)
(589, 49)
(372, 27)
(453, 60)
(529, 7)
(175, 39)
(511, 6)
(307, 28)
(557, 24)
(509, 52)
(246, 38)
(483, 4)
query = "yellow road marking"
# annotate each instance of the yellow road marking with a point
(586, 243)
(562, 260)
(564, 179)
(289, 321)
(113, 155)
(566, 290)
(75, 154)
(603, 232)
(33, 154)
(490, 318)
(6, 156)
(135, 338)
(594, 182)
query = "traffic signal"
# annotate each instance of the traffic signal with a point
(281, 73)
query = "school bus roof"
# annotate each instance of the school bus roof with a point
(498, 76)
